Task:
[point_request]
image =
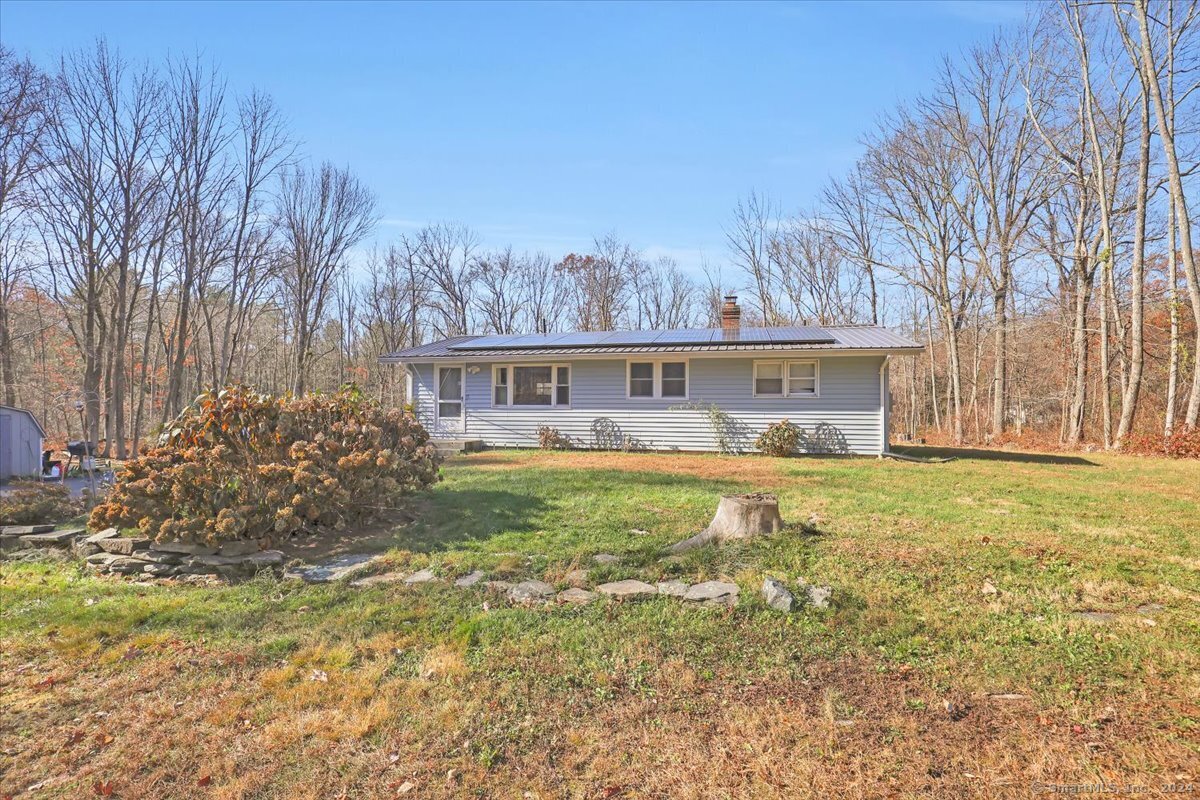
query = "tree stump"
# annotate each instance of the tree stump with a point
(739, 516)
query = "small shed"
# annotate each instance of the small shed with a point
(21, 438)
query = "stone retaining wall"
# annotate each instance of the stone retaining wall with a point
(109, 552)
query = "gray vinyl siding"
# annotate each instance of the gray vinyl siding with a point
(847, 417)
(20, 444)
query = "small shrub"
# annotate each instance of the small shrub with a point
(780, 439)
(726, 431)
(36, 503)
(240, 464)
(550, 439)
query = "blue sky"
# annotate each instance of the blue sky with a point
(541, 125)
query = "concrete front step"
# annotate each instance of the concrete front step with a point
(451, 446)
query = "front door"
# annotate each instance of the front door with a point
(448, 404)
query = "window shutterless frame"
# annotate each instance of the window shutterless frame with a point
(793, 375)
(504, 387)
(656, 377)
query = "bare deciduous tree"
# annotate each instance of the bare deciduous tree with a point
(23, 98)
(323, 213)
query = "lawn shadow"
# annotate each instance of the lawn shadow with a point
(977, 454)
(442, 519)
(451, 516)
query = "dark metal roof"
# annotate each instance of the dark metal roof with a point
(691, 337)
(686, 340)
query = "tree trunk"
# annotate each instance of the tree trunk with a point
(8, 378)
(1166, 132)
(741, 516)
(1173, 300)
(1079, 349)
(1132, 389)
(1000, 366)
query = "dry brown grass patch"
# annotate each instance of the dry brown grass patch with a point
(759, 471)
(845, 729)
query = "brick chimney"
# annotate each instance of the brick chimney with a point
(731, 313)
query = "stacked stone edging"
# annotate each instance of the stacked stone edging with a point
(240, 558)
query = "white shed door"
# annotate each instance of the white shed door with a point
(448, 407)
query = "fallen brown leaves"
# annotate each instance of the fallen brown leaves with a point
(844, 728)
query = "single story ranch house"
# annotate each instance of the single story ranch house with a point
(655, 390)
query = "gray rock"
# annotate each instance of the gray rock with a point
(126, 565)
(531, 592)
(469, 580)
(25, 530)
(421, 576)
(52, 538)
(673, 588)
(1149, 608)
(85, 549)
(188, 568)
(627, 589)
(11, 542)
(578, 578)
(377, 580)
(239, 547)
(152, 557)
(213, 561)
(333, 570)
(263, 559)
(777, 595)
(126, 546)
(713, 593)
(107, 533)
(160, 570)
(101, 561)
(187, 548)
(817, 596)
(576, 596)
(606, 558)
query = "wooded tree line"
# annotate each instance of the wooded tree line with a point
(1030, 218)
(163, 235)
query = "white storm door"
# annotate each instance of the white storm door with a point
(448, 407)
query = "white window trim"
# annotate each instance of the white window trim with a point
(437, 392)
(554, 367)
(658, 362)
(785, 371)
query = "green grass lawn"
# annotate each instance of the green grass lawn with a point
(953, 583)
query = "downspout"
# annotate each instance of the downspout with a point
(883, 406)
